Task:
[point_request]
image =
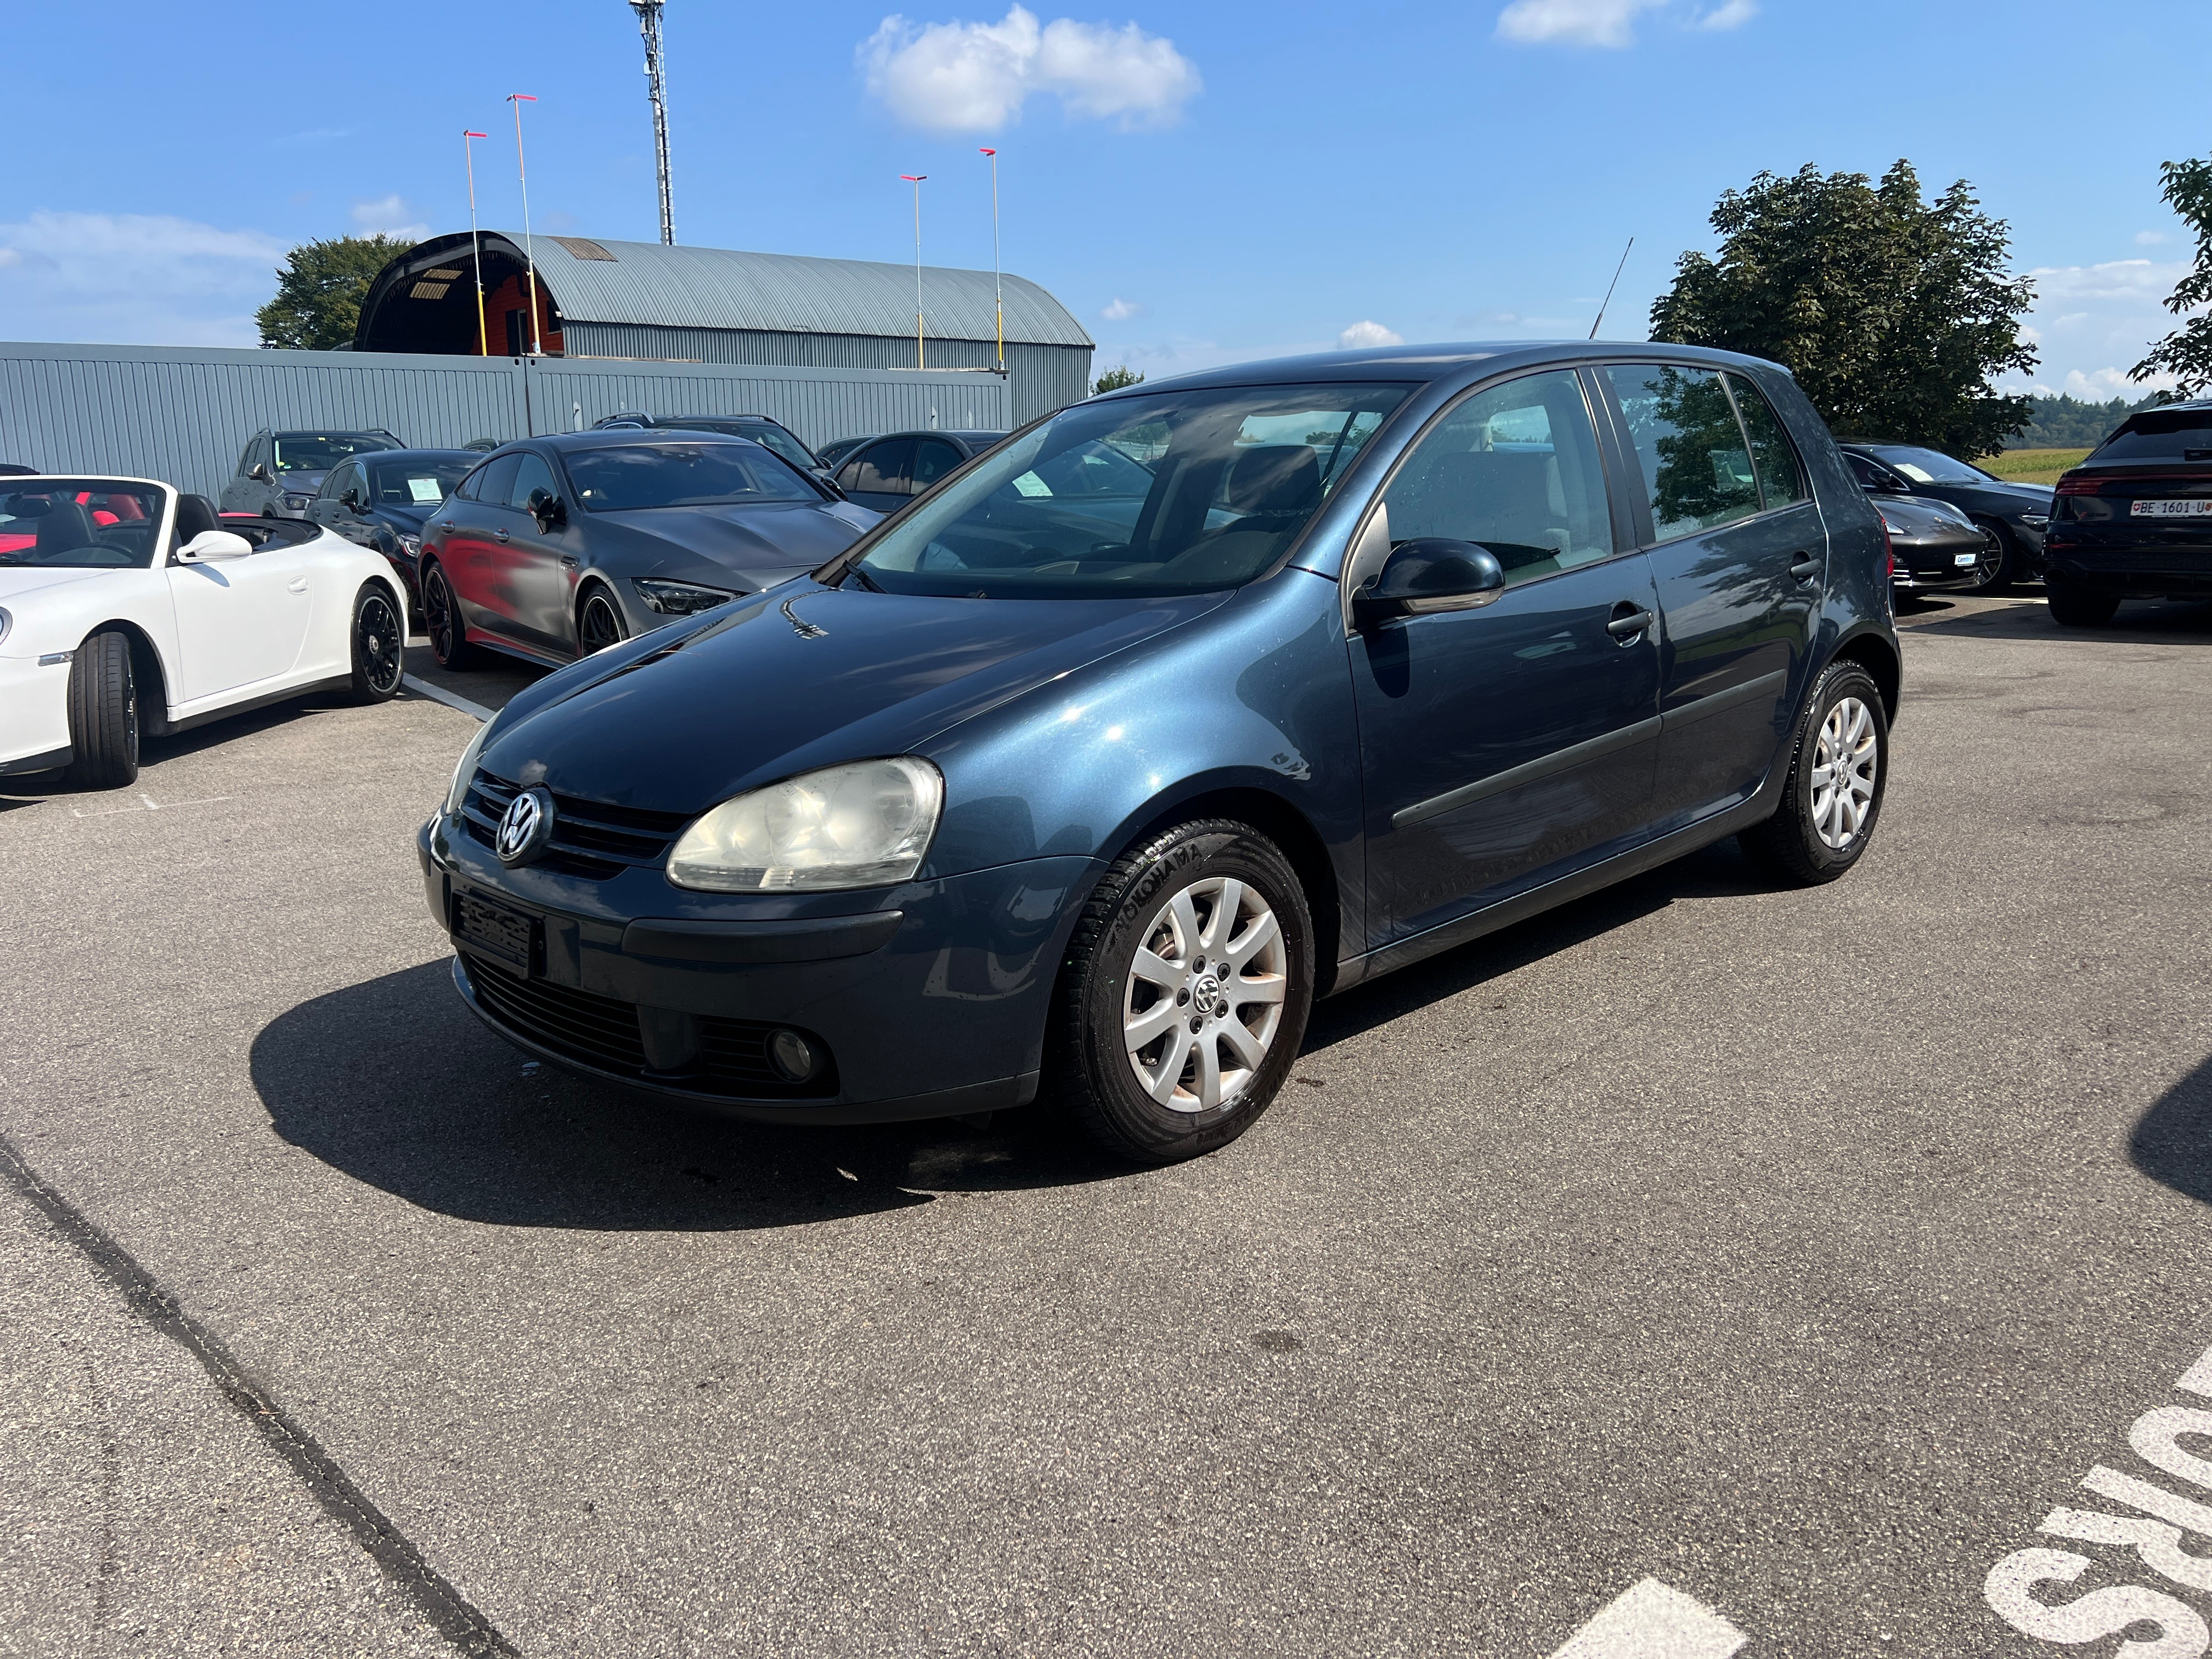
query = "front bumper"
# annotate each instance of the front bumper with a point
(35, 732)
(932, 1003)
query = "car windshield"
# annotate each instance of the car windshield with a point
(1929, 465)
(417, 484)
(676, 474)
(766, 433)
(97, 523)
(1140, 496)
(2184, 434)
(310, 452)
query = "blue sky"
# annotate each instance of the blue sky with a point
(1198, 183)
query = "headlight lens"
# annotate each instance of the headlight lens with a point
(7, 622)
(297, 503)
(410, 546)
(860, 826)
(1893, 526)
(678, 598)
(2035, 520)
(459, 787)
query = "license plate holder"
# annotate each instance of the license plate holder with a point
(2172, 508)
(508, 936)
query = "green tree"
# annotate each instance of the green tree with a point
(1115, 379)
(2186, 354)
(320, 288)
(1895, 314)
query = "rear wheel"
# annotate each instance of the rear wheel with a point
(376, 640)
(103, 714)
(598, 624)
(441, 614)
(1833, 795)
(2079, 607)
(1184, 993)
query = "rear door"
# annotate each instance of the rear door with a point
(1739, 552)
(469, 549)
(880, 475)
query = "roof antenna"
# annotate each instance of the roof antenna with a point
(1609, 288)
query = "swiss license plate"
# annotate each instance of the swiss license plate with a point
(493, 930)
(2200, 507)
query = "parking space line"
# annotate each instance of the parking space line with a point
(430, 1594)
(438, 693)
(1651, 1620)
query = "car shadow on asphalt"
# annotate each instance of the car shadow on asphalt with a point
(32, 788)
(2172, 1142)
(2138, 621)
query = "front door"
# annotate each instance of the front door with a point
(469, 546)
(540, 569)
(240, 621)
(1503, 745)
(1739, 552)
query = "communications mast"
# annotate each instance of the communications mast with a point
(648, 25)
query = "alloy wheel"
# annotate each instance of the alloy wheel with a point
(1204, 999)
(1844, 773)
(600, 627)
(438, 612)
(377, 637)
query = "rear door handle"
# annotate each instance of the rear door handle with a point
(1629, 620)
(499, 535)
(1806, 568)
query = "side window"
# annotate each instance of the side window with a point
(532, 474)
(1869, 476)
(1781, 479)
(933, 459)
(344, 478)
(1697, 466)
(492, 479)
(881, 466)
(1515, 468)
(245, 456)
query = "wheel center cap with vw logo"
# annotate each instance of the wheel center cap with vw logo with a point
(526, 827)
(1206, 995)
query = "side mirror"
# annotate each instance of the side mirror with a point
(258, 469)
(211, 545)
(1431, 574)
(548, 510)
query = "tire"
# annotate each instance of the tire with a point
(441, 620)
(103, 714)
(1998, 563)
(598, 622)
(1820, 831)
(378, 638)
(2079, 607)
(1162, 1099)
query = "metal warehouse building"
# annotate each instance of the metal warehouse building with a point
(646, 302)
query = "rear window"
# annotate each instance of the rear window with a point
(638, 475)
(2181, 434)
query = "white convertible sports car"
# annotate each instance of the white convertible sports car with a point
(129, 607)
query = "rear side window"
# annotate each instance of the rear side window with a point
(1781, 479)
(1696, 464)
(489, 482)
(2156, 435)
(882, 467)
(933, 459)
(1516, 469)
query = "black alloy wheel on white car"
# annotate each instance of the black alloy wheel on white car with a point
(103, 714)
(1838, 769)
(598, 624)
(377, 643)
(1184, 992)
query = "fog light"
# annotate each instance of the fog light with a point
(794, 1057)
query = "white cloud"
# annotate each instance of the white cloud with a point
(1120, 310)
(1368, 333)
(1728, 15)
(133, 279)
(975, 77)
(388, 216)
(2150, 238)
(2090, 323)
(1574, 22)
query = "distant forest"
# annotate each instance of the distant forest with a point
(2072, 424)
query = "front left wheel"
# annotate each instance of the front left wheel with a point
(376, 640)
(1184, 992)
(103, 714)
(599, 623)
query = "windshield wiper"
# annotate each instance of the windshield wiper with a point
(867, 580)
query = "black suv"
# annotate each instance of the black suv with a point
(2134, 520)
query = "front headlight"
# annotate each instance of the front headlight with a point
(410, 546)
(2035, 520)
(7, 622)
(297, 503)
(860, 826)
(458, 790)
(678, 598)
(1893, 526)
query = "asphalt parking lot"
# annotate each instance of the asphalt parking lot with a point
(1800, 1250)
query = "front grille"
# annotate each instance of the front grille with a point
(603, 1031)
(591, 839)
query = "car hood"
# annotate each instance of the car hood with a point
(772, 536)
(19, 581)
(803, 676)
(299, 483)
(2025, 495)
(1921, 518)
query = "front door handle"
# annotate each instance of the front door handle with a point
(568, 563)
(1806, 568)
(299, 584)
(1629, 620)
(499, 535)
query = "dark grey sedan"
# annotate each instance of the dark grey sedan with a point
(2016, 514)
(554, 548)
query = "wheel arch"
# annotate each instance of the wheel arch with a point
(148, 669)
(1879, 658)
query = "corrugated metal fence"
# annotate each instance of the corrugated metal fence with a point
(183, 414)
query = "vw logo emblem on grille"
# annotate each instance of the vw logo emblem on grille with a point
(526, 827)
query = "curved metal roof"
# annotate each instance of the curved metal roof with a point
(594, 280)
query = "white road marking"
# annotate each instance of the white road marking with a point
(438, 693)
(2197, 1379)
(151, 806)
(1652, 1622)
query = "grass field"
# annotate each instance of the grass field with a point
(2032, 465)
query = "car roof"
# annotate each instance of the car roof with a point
(328, 432)
(427, 454)
(1447, 361)
(971, 435)
(601, 437)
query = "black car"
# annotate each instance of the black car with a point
(1933, 545)
(279, 472)
(887, 472)
(2018, 513)
(760, 429)
(838, 448)
(2134, 520)
(383, 500)
(554, 548)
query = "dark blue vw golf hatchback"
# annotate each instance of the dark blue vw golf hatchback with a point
(1085, 775)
